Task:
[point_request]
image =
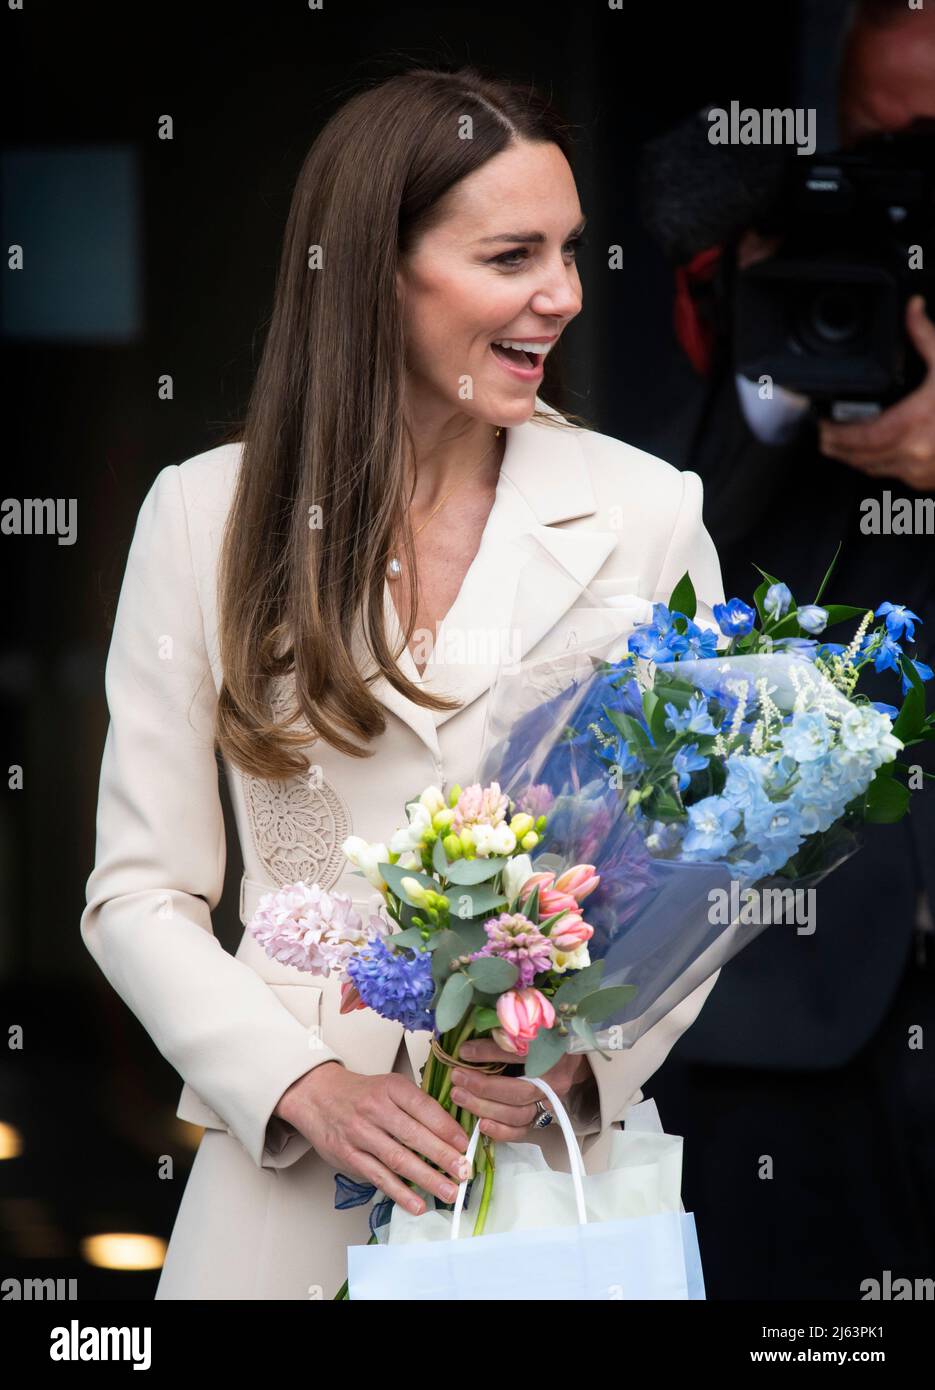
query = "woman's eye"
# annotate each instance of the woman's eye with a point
(507, 258)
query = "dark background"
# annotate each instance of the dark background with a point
(165, 253)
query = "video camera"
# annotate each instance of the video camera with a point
(825, 315)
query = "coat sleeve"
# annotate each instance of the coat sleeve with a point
(160, 852)
(620, 1076)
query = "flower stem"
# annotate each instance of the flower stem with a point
(487, 1193)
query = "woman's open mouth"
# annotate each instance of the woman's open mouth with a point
(520, 361)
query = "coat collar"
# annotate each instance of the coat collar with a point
(501, 610)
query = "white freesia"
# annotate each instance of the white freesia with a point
(432, 800)
(492, 840)
(570, 960)
(515, 874)
(366, 857)
(410, 836)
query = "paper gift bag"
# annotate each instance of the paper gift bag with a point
(620, 1234)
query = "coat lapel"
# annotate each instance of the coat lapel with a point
(512, 593)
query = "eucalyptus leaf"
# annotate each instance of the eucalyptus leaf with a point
(394, 875)
(471, 871)
(582, 1027)
(579, 983)
(604, 1002)
(447, 945)
(411, 938)
(453, 1002)
(473, 900)
(493, 974)
(546, 1048)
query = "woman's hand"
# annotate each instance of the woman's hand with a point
(506, 1105)
(375, 1128)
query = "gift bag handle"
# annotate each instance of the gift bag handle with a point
(571, 1143)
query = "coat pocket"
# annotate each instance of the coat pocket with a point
(304, 1003)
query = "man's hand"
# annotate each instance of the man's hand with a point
(506, 1105)
(900, 442)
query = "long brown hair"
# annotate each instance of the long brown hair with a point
(324, 426)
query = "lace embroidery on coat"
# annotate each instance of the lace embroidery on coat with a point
(298, 829)
(298, 825)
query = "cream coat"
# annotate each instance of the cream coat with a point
(257, 1216)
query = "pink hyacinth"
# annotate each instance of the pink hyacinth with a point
(479, 805)
(521, 1013)
(511, 936)
(315, 931)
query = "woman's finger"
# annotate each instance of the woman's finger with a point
(520, 1116)
(395, 1155)
(509, 1090)
(486, 1050)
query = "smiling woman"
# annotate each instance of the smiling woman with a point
(396, 405)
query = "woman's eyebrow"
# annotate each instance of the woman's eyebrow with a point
(529, 236)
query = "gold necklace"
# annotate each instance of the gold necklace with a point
(394, 569)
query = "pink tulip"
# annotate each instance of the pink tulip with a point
(578, 881)
(549, 901)
(522, 1012)
(570, 932)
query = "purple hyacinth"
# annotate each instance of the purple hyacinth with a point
(395, 984)
(514, 937)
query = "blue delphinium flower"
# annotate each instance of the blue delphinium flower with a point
(664, 622)
(648, 644)
(628, 762)
(884, 649)
(882, 708)
(686, 761)
(778, 601)
(812, 619)
(700, 641)
(900, 620)
(735, 618)
(693, 720)
(830, 649)
(394, 984)
(808, 736)
(711, 822)
(922, 671)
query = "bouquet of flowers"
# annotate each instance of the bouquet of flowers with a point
(637, 795)
(713, 777)
(468, 941)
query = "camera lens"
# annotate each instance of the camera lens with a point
(831, 319)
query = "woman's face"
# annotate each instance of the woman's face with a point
(500, 266)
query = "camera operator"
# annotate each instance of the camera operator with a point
(803, 1051)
